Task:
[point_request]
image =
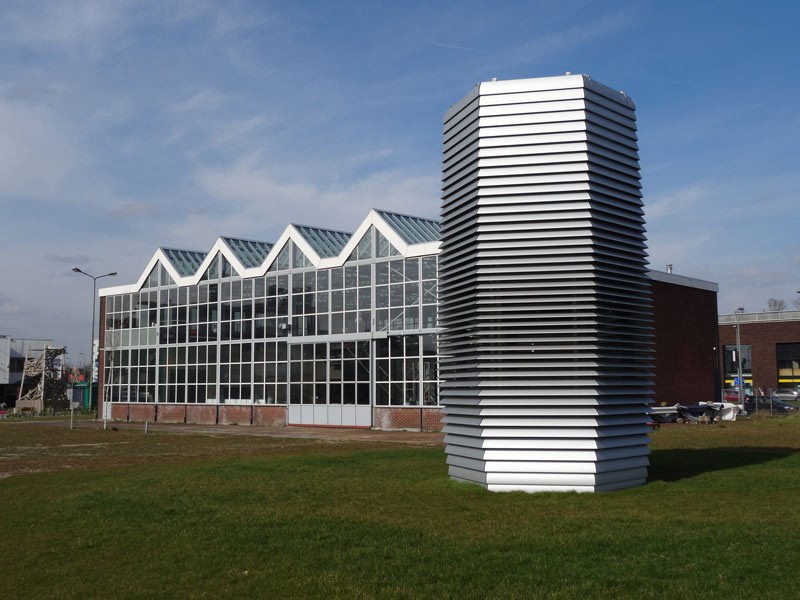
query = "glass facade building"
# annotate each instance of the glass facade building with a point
(326, 324)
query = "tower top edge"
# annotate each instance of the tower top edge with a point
(540, 84)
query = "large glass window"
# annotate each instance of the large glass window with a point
(295, 334)
(788, 358)
(406, 370)
(730, 359)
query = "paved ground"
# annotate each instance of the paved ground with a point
(414, 438)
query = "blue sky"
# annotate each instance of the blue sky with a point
(129, 125)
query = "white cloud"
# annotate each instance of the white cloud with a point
(62, 23)
(260, 201)
(681, 201)
(236, 130)
(202, 101)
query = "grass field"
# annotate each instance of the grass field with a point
(118, 514)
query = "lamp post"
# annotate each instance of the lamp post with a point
(94, 279)
(739, 311)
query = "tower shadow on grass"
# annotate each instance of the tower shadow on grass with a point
(674, 465)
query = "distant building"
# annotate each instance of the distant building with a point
(770, 346)
(686, 339)
(13, 354)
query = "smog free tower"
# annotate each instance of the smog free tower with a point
(546, 350)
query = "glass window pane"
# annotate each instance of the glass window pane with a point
(351, 276)
(412, 269)
(382, 394)
(337, 278)
(396, 295)
(364, 275)
(351, 299)
(412, 294)
(428, 267)
(335, 392)
(364, 248)
(381, 273)
(364, 298)
(396, 271)
(322, 280)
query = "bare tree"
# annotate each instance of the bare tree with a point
(775, 305)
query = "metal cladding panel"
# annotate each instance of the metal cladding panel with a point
(544, 297)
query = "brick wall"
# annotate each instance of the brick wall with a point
(119, 412)
(201, 414)
(686, 357)
(171, 413)
(408, 417)
(395, 417)
(762, 338)
(235, 415)
(269, 416)
(141, 412)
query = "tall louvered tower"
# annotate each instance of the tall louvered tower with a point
(544, 302)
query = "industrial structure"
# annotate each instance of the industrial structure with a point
(546, 346)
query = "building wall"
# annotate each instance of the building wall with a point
(762, 337)
(687, 363)
(216, 350)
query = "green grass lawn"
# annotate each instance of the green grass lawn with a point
(120, 514)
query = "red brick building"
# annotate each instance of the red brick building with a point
(770, 347)
(685, 325)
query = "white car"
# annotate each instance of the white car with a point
(787, 395)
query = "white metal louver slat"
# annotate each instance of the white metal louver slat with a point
(546, 349)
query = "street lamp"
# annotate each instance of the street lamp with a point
(739, 311)
(94, 305)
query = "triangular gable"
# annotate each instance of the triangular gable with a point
(374, 219)
(219, 248)
(302, 244)
(417, 237)
(283, 258)
(159, 259)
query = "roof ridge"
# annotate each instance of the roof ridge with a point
(399, 214)
(182, 249)
(321, 228)
(241, 239)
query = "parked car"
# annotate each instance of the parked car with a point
(730, 395)
(787, 395)
(765, 404)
